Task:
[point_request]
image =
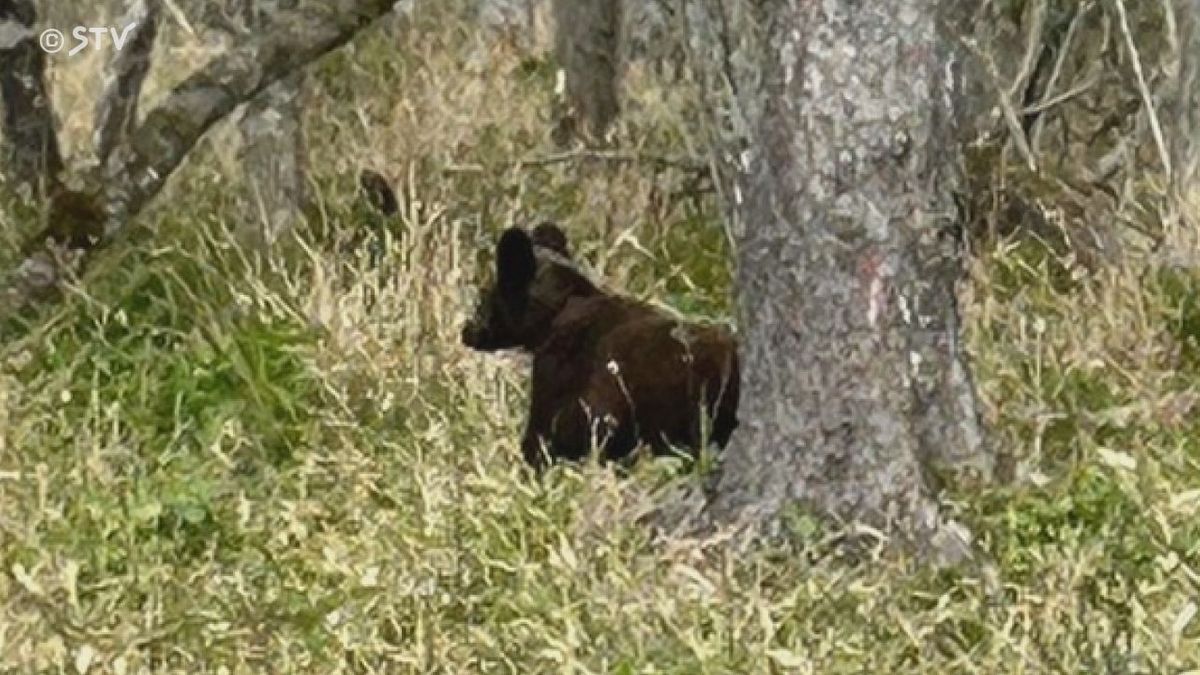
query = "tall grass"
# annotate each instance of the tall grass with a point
(214, 464)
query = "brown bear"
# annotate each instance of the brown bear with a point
(608, 371)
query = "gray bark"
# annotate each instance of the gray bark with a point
(1185, 144)
(514, 20)
(649, 31)
(29, 152)
(652, 33)
(844, 224)
(588, 44)
(116, 109)
(273, 148)
(138, 167)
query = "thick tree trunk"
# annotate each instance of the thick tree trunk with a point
(273, 148)
(587, 42)
(847, 252)
(29, 151)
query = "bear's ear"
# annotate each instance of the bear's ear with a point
(516, 264)
(550, 236)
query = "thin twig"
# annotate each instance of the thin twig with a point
(690, 165)
(1171, 30)
(180, 17)
(1006, 105)
(1065, 49)
(1147, 100)
(1052, 82)
(1033, 45)
(1047, 103)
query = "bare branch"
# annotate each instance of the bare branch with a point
(1034, 44)
(180, 18)
(116, 111)
(1051, 101)
(138, 167)
(1143, 89)
(1081, 12)
(1048, 101)
(1016, 132)
(137, 170)
(31, 154)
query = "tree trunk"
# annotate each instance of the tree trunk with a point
(273, 148)
(125, 73)
(848, 255)
(587, 42)
(1186, 143)
(138, 167)
(515, 21)
(29, 151)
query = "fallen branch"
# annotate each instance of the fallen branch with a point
(683, 164)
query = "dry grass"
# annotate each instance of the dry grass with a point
(211, 467)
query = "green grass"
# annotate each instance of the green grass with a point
(208, 465)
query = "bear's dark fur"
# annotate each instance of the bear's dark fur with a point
(607, 370)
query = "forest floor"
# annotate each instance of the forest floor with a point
(210, 465)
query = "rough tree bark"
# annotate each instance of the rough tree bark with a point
(847, 254)
(273, 146)
(29, 151)
(513, 20)
(137, 168)
(116, 109)
(1185, 145)
(587, 38)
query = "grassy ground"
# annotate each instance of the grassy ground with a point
(211, 466)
